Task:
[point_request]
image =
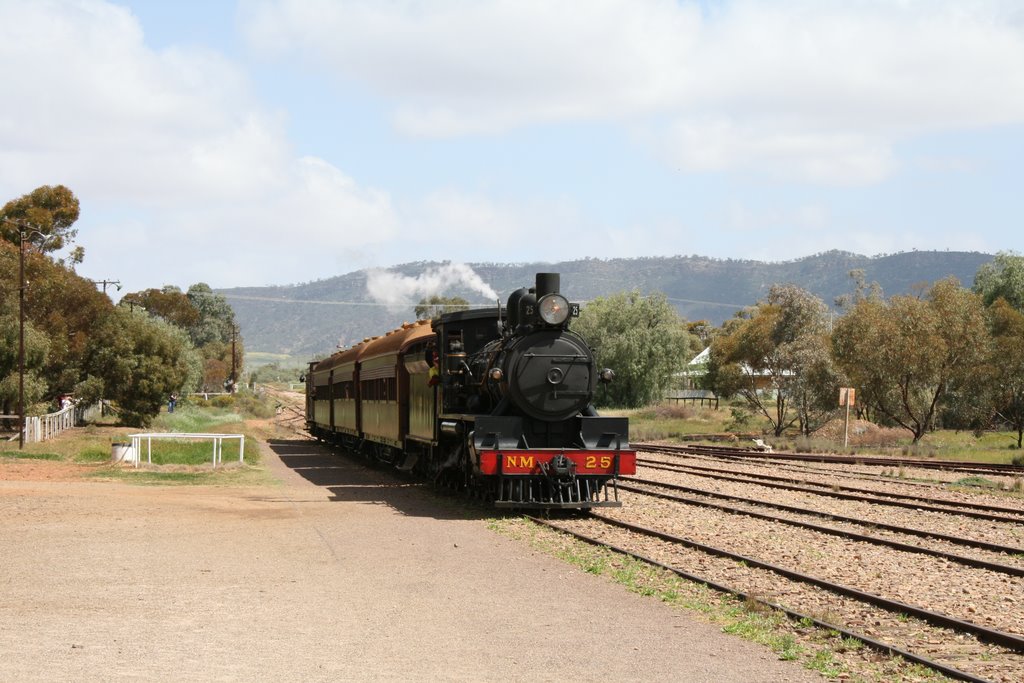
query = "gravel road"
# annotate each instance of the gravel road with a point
(338, 573)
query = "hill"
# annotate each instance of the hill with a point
(317, 317)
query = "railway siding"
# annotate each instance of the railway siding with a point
(899, 575)
(945, 522)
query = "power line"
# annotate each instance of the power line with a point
(336, 303)
(271, 299)
(707, 303)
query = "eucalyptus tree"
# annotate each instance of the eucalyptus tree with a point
(168, 302)
(775, 356)
(1002, 277)
(641, 338)
(1006, 379)
(37, 346)
(906, 355)
(47, 214)
(216, 335)
(138, 361)
(434, 305)
(61, 310)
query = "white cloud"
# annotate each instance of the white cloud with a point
(815, 90)
(458, 66)
(828, 157)
(449, 224)
(178, 166)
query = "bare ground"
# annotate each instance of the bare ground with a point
(337, 573)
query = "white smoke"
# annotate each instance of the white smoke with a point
(397, 290)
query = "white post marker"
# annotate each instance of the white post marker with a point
(847, 396)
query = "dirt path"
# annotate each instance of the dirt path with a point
(338, 573)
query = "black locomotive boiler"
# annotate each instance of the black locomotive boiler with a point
(495, 401)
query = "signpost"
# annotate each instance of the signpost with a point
(847, 397)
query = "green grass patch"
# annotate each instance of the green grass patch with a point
(195, 419)
(671, 421)
(29, 455)
(93, 454)
(824, 662)
(226, 476)
(186, 452)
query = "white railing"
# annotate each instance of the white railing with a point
(218, 444)
(42, 427)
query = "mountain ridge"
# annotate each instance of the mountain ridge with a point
(319, 316)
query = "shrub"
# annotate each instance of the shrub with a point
(741, 419)
(223, 401)
(674, 411)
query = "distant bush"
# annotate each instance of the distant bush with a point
(920, 450)
(741, 419)
(244, 403)
(252, 405)
(804, 444)
(673, 411)
(223, 401)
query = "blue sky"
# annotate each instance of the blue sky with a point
(283, 141)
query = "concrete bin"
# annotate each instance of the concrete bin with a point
(122, 452)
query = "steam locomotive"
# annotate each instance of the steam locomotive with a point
(497, 402)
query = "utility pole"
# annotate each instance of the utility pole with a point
(24, 229)
(21, 339)
(234, 341)
(107, 282)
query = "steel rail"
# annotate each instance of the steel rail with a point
(878, 645)
(745, 453)
(853, 489)
(832, 531)
(854, 496)
(955, 465)
(983, 633)
(812, 469)
(983, 545)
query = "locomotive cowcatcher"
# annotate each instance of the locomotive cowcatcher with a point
(497, 401)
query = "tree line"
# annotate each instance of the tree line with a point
(942, 356)
(137, 353)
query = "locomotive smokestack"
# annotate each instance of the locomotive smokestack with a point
(547, 283)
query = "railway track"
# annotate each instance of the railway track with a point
(975, 510)
(705, 498)
(886, 475)
(959, 648)
(291, 410)
(752, 455)
(992, 565)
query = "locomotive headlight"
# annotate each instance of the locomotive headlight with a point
(495, 374)
(554, 309)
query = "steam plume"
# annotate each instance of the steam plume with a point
(399, 290)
